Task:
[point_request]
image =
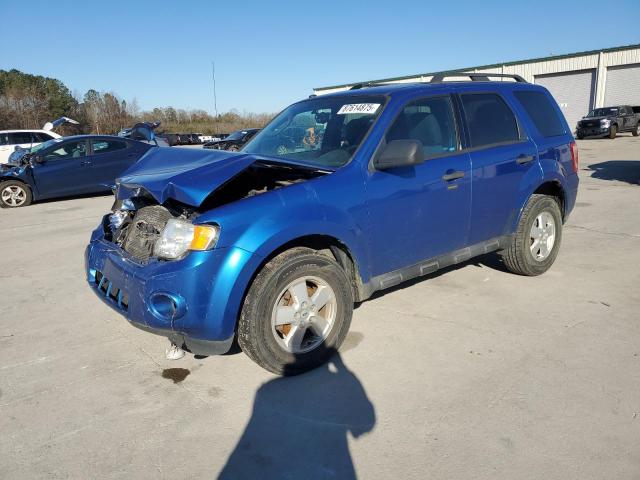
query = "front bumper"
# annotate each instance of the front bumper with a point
(207, 288)
(592, 131)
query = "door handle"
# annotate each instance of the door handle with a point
(85, 162)
(447, 177)
(522, 159)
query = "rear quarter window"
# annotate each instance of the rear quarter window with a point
(541, 111)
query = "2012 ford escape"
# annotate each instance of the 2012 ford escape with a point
(274, 248)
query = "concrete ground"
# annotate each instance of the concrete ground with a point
(471, 373)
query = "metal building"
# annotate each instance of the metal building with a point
(578, 81)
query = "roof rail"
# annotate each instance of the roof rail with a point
(358, 86)
(476, 77)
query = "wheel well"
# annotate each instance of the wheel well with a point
(13, 179)
(332, 247)
(553, 189)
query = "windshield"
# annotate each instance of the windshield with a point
(46, 144)
(603, 112)
(321, 131)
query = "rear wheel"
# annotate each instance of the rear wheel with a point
(14, 194)
(535, 245)
(297, 312)
(613, 131)
(634, 132)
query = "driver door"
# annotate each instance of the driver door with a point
(64, 170)
(422, 211)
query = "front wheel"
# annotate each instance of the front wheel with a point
(297, 312)
(613, 131)
(535, 245)
(14, 194)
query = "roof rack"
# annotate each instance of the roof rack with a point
(476, 77)
(358, 86)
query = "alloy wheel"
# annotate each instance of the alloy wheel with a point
(543, 236)
(14, 196)
(304, 314)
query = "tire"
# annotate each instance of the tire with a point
(523, 256)
(613, 131)
(260, 336)
(14, 194)
(634, 132)
(579, 136)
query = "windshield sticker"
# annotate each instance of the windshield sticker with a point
(369, 108)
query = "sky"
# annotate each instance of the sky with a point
(269, 54)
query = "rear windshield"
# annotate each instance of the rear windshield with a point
(542, 112)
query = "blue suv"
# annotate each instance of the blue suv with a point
(272, 247)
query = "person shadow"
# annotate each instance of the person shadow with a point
(299, 427)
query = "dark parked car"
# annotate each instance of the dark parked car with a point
(608, 121)
(271, 249)
(67, 166)
(145, 132)
(234, 141)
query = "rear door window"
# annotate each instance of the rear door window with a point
(104, 146)
(429, 120)
(490, 120)
(19, 138)
(541, 111)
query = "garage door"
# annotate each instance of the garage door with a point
(574, 92)
(623, 85)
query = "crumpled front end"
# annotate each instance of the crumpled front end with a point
(184, 300)
(195, 297)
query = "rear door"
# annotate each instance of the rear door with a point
(628, 118)
(64, 170)
(502, 155)
(109, 158)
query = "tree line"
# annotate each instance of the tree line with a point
(29, 101)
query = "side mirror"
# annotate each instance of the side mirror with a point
(400, 153)
(38, 158)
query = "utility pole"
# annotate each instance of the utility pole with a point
(215, 100)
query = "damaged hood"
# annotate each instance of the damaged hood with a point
(188, 176)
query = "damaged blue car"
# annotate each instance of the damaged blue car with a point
(272, 247)
(61, 167)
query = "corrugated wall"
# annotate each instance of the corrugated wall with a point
(599, 61)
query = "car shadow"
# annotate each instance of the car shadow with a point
(300, 425)
(622, 170)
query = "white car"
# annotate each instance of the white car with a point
(10, 139)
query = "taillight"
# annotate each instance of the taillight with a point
(574, 156)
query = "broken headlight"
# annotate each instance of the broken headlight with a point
(180, 236)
